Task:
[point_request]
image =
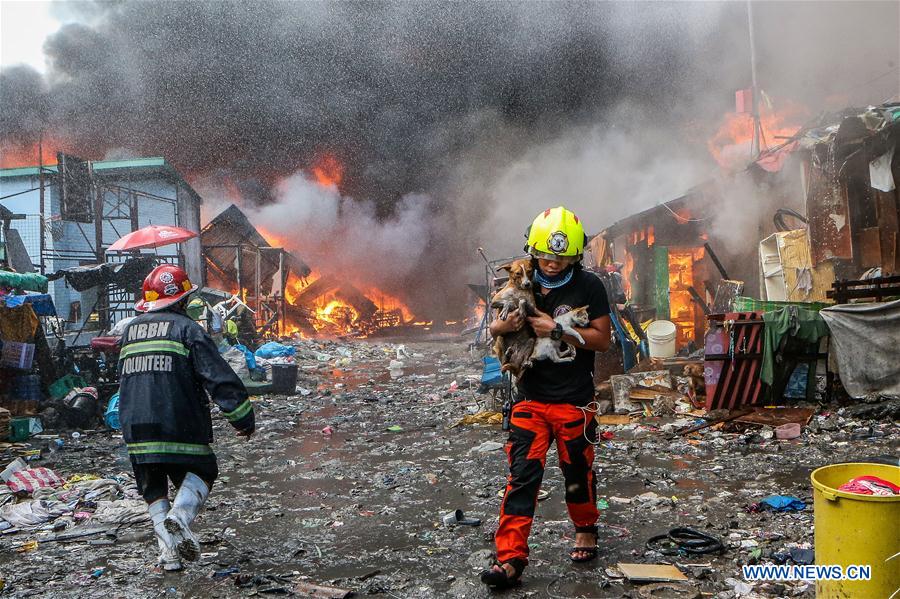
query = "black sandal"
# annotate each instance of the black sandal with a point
(591, 552)
(502, 580)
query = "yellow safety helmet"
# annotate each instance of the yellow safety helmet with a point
(555, 234)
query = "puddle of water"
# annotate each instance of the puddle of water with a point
(676, 463)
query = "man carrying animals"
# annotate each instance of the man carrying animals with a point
(167, 366)
(555, 395)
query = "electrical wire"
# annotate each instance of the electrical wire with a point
(18, 193)
(683, 218)
(591, 408)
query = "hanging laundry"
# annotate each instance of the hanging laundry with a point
(880, 175)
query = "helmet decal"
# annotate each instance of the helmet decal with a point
(166, 277)
(558, 242)
(187, 285)
(171, 289)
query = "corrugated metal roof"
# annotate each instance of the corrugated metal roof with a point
(100, 165)
(153, 164)
(231, 227)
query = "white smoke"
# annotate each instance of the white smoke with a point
(342, 236)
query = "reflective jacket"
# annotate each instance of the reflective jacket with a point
(167, 366)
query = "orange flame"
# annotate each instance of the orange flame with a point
(730, 145)
(16, 156)
(328, 171)
(683, 310)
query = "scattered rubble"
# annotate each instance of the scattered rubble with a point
(360, 507)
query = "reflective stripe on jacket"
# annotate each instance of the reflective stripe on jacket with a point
(169, 367)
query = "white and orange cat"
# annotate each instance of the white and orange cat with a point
(559, 351)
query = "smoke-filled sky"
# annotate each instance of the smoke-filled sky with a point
(454, 122)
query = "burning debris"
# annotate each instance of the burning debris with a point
(274, 282)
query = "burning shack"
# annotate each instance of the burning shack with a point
(669, 268)
(828, 210)
(286, 295)
(238, 259)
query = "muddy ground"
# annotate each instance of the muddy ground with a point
(360, 508)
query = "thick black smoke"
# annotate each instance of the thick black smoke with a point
(261, 88)
(434, 99)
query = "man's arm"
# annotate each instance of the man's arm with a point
(513, 322)
(224, 386)
(596, 334)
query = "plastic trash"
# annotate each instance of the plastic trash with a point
(783, 503)
(273, 349)
(458, 517)
(112, 413)
(11, 468)
(488, 446)
(791, 430)
(248, 356)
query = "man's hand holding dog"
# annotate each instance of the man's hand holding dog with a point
(542, 324)
(513, 322)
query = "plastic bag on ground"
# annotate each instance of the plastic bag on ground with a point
(273, 349)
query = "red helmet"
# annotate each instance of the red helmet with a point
(164, 286)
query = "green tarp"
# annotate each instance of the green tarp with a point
(23, 281)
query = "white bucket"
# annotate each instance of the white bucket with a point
(661, 338)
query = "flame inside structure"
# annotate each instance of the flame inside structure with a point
(334, 311)
(683, 311)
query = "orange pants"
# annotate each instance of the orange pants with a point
(533, 427)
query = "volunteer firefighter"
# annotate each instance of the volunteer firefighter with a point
(554, 398)
(167, 366)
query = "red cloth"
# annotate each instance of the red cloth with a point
(35, 478)
(870, 485)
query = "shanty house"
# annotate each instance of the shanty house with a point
(56, 217)
(238, 259)
(830, 211)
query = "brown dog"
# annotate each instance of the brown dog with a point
(514, 349)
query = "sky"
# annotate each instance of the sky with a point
(24, 25)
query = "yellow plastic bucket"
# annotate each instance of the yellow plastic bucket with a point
(854, 529)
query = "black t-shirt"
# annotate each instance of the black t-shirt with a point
(567, 382)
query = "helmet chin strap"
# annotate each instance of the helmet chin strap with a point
(552, 282)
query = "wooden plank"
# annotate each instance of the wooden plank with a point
(612, 419)
(869, 247)
(829, 220)
(888, 227)
(661, 270)
(778, 416)
(651, 572)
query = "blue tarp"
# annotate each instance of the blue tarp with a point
(41, 303)
(275, 350)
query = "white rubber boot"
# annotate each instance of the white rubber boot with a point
(168, 554)
(190, 498)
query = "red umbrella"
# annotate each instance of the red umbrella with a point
(152, 236)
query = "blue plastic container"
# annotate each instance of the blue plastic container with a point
(112, 413)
